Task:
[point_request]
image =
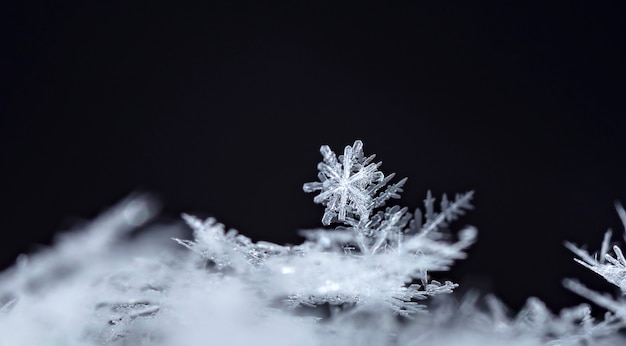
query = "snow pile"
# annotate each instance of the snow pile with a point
(366, 279)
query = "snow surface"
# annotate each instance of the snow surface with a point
(367, 280)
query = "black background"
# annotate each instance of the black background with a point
(219, 108)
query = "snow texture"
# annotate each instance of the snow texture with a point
(364, 279)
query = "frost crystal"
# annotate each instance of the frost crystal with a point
(612, 269)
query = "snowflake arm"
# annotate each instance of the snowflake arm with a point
(449, 212)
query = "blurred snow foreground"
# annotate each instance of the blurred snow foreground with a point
(364, 281)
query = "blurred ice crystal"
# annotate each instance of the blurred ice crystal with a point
(611, 267)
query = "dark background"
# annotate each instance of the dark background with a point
(219, 109)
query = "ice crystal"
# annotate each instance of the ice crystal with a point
(612, 269)
(349, 184)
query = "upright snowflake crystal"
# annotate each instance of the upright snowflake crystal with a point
(348, 185)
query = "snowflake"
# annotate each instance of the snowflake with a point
(348, 185)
